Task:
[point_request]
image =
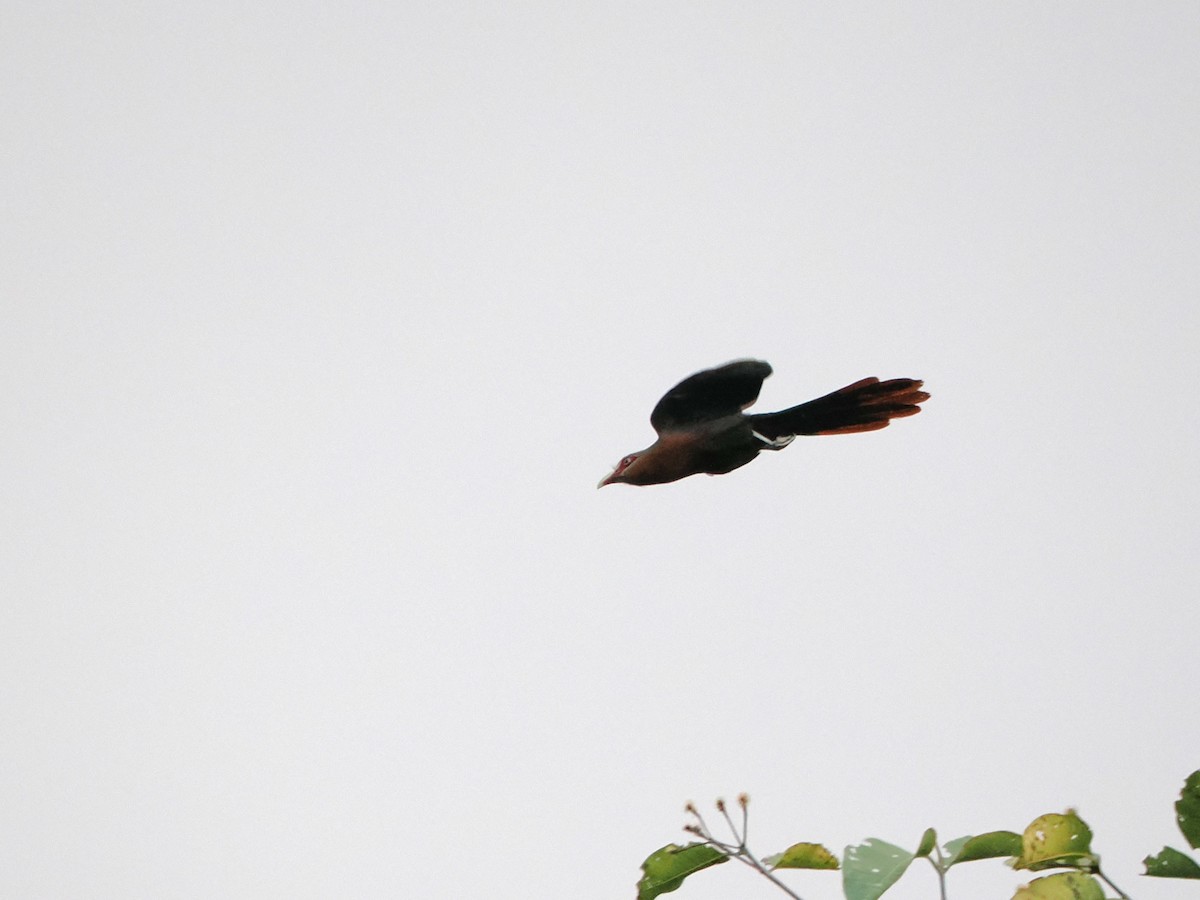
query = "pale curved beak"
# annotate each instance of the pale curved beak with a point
(604, 480)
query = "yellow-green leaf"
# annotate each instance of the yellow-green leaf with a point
(1063, 886)
(1056, 840)
(803, 856)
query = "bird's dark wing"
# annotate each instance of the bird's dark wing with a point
(711, 394)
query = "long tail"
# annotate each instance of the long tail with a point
(863, 406)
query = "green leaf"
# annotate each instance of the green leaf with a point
(1187, 809)
(803, 856)
(1170, 863)
(983, 846)
(1063, 886)
(870, 868)
(1056, 840)
(952, 849)
(665, 868)
(928, 841)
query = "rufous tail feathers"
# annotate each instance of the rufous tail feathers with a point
(866, 405)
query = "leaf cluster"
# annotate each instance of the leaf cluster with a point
(1172, 863)
(1051, 841)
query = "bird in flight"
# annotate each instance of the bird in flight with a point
(702, 428)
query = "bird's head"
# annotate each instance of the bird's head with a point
(621, 472)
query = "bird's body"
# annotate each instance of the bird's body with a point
(702, 427)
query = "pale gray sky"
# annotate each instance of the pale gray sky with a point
(322, 322)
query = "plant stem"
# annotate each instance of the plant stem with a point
(1104, 878)
(941, 871)
(738, 851)
(741, 838)
(941, 877)
(745, 856)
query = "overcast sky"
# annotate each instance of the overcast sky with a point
(321, 323)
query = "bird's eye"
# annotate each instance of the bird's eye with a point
(627, 461)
